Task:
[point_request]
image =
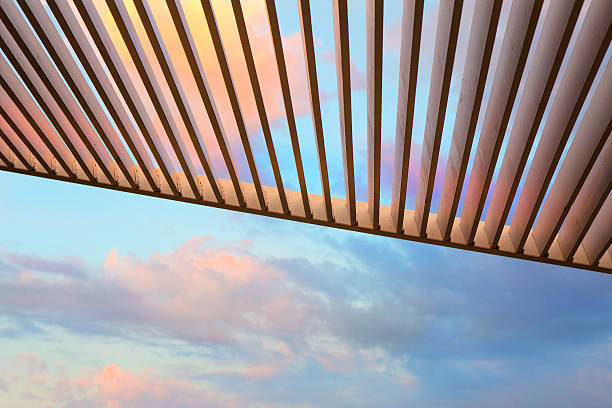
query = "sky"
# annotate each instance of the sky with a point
(109, 299)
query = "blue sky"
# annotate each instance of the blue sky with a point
(109, 299)
(262, 312)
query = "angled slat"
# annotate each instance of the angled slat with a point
(586, 57)
(197, 70)
(261, 110)
(589, 201)
(599, 237)
(313, 88)
(15, 150)
(143, 66)
(177, 91)
(449, 17)
(44, 100)
(480, 47)
(17, 131)
(514, 50)
(122, 78)
(231, 92)
(374, 50)
(99, 78)
(53, 43)
(10, 84)
(343, 73)
(590, 138)
(284, 82)
(4, 154)
(69, 95)
(61, 94)
(552, 45)
(412, 22)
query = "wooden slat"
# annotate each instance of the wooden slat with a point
(588, 203)
(87, 95)
(3, 157)
(313, 87)
(48, 35)
(42, 103)
(25, 140)
(584, 62)
(599, 237)
(514, 50)
(343, 73)
(261, 109)
(35, 54)
(130, 37)
(590, 138)
(284, 82)
(557, 30)
(235, 104)
(178, 93)
(374, 52)
(449, 17)
(480, 47)
(19, 96)
(295, 196)
(412, 22)
(124, 83)
(195, 65)
(98, 77)
(13, 149)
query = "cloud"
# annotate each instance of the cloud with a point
(109, 386)
(384, 310)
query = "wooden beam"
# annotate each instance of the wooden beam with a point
(514, 50)
(130, 37)
(215, 36)
(588, 52)
(284, 82)
(4, 152)
(178, 93)
(449, 18)
(480, 47)
(412, 22)
(343, 73)
(599, 237)
(557, 30)
(588, 203)
(122, 78)
(13, 149)
(8, 75)
(197, 70)
(56, 48)
(35, 91)
(34, 54)
(315, 221)
(313, 88)
(261, 109)
(590, 138)
(98, 77)
(374, 54)
(15, 129)
(59, 90)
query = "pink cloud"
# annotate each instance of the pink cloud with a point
(110, 386)
(260, 371)
(205, 293)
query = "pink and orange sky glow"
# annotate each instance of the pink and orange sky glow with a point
(115, 300)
